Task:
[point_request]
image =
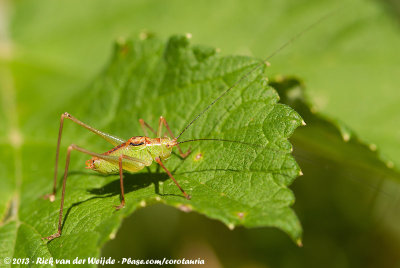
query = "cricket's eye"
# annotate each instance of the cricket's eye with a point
(136, 144)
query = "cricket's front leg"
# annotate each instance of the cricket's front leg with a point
(121, 182)
(162, 122)
(158, 160)
(127, 160)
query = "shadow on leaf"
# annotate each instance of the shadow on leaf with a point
(132, 182)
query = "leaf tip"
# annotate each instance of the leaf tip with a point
(346, 136)
(121, 41)
(344, 130)
(301, 173)
(303, 123)
(112, 235)
(299, 243)
(122, 46)
(145, 34)
(188, 35)
(372, 147)
(15, 137)
(185, 208)
(390, 164)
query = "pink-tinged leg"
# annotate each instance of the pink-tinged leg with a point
(144, 125)
(158, 160)
(111, 139)
(109, 158)
(162, 122)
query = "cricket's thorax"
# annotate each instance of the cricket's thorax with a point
(142, 148)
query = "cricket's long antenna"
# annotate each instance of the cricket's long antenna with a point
(298, 35)
(245, 143)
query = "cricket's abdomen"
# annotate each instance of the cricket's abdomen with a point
(135, 147)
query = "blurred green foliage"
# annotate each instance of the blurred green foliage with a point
(347, 200)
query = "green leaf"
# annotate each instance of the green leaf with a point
(324, 138)
(350, 65)
(349, 60)
(237, 184)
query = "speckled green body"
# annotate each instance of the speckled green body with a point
(143, 149)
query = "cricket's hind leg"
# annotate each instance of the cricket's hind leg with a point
(158, 160)
(117, 160)
(143, 124)
(111, 139)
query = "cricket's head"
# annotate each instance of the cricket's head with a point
(170, 143)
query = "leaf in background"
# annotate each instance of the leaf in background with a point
(235, 183)
(324, 139)
(352, 74)
(349, 61)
